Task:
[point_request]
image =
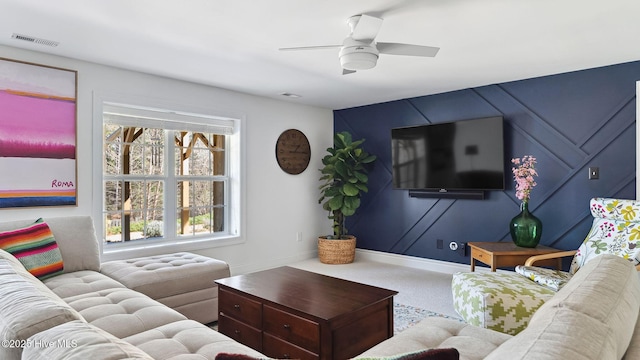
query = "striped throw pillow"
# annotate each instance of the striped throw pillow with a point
(35, 247)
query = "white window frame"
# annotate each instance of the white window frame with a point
(174, 117)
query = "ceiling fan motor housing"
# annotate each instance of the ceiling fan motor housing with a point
(360, 57)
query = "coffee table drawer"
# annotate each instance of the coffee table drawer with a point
(240, 332)
(292, 328)
(240, 308)
(280, 349)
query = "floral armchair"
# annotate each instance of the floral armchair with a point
(506, 301)
(615, 230)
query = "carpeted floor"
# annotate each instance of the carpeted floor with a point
(405, 316)
(419, 288)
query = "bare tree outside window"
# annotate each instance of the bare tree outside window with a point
(136, 180)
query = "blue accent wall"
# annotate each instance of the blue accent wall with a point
(569, 122)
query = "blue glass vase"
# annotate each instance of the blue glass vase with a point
(525, 228)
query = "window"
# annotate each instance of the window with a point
(167, 176)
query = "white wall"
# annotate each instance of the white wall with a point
(278, 205)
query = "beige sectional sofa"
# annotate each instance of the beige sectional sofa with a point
(85, 314)
(594, 316)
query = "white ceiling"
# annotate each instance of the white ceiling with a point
(234, 44)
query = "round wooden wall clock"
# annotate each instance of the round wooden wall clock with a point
(293, 151)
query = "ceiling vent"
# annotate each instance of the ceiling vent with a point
(35, 40)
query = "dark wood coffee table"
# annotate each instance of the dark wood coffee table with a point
(291, 313)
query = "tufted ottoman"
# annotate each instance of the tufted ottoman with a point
(497, 301)
(183, 281)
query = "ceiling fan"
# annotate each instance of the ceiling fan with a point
(360, 51)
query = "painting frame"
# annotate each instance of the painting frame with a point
(38, 135)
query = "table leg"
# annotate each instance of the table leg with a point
(473, 264)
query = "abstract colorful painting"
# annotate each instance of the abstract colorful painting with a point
(37, 135)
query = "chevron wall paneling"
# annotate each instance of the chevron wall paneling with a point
(569, 122)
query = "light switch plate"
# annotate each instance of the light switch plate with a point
(594, 173)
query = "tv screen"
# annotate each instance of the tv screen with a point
(460, 155)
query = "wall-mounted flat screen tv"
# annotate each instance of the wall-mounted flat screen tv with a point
(460, 155)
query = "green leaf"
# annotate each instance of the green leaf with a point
(348, 212)
(328, 169)
(342, 170)
(362, 187)
(342, 139)
(335, 203)
(350, 189)
(362, 177)
(352, 202)
(368, 159)
(332, 191)
(355, 144)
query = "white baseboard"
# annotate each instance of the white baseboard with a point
(445, 267)
(246, 268)
(440, 266)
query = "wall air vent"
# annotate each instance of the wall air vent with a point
(35, 40)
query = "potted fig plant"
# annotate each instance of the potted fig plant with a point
(345, 178)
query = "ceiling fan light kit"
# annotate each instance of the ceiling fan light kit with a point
(358, 58)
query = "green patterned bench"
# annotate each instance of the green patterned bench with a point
(497, 301)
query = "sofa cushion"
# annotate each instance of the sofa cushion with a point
(122, 312)
(35, 247)
(187, 339)
(182, 281)
(79, 340)
(80, 282)
(633, 351)
(561, 334)
(76, 238)
(598, 309)
(27, 307)
(167, 275)
(472, 342)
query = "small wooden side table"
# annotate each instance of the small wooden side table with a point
(507, 254)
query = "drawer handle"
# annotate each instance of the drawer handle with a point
(236, 306)
(237, 332)
(287, 326)
(286, 356)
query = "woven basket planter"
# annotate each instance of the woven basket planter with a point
(332, 251)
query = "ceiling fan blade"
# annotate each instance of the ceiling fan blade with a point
(347, 72)
(407, 49)
(321, 47)
(366, 28)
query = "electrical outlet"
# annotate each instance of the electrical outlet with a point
(299, 236)
(439, 244)
(462, 249)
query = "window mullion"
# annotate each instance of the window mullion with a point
(171, 205)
